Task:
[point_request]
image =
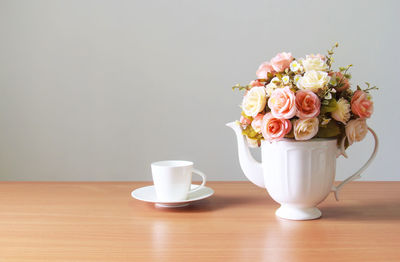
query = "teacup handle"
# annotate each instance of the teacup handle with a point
(336, 189)
(198, 172)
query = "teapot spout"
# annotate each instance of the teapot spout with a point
(250, 167)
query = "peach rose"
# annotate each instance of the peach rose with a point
(255, 83)
(244, 121)
(307, 104)
(274, 129)
(345, 82)
(257, 123)
(263, 70)
(282, 103)
(361, 105)
(356, 130)
(305, 129)
(281, 61)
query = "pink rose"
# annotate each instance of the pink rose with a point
(274, 128)
(255, 83)
(307, 104)
(263, 70)
(345, 84)
(282, 103)
(257, 123)
(361, 105)
(244, 121)
(281, 61)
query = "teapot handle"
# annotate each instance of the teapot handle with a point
(336, 189)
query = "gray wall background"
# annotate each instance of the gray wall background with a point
(97, 90)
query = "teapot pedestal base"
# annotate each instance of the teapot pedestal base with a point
(297, 213)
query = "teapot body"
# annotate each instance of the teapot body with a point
(299, 174)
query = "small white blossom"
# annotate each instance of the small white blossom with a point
(333, 81)
(295, 66)
(285, 79)
(325, 121)
(328, 96)
(296, 79)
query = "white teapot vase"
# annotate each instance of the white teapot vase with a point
(297, 174)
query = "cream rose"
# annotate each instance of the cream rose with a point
(253, 143)
(313, 80)
(270, 88)
(356, 130)
(314, 62)
(342, 112)
(305, 129)
(254, 101)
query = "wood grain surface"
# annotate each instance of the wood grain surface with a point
(99, 221)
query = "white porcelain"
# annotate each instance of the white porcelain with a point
(148, 194)
(172, 179)
(297, 174)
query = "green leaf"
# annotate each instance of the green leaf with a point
(246, 116)
(238, 86)
(328, 107)
(332, 129)
(348, 76)
(251, 133)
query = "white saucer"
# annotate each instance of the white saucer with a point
(148, 194)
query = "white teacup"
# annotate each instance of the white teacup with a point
(173, 178)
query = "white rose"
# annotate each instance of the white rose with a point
(254, 101)
(342, 111)
(314, 63)
(313, 80)
(356, 130)
(305, 129)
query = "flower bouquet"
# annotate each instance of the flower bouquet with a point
(302, 99)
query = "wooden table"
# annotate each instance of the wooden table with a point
(99, 221)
